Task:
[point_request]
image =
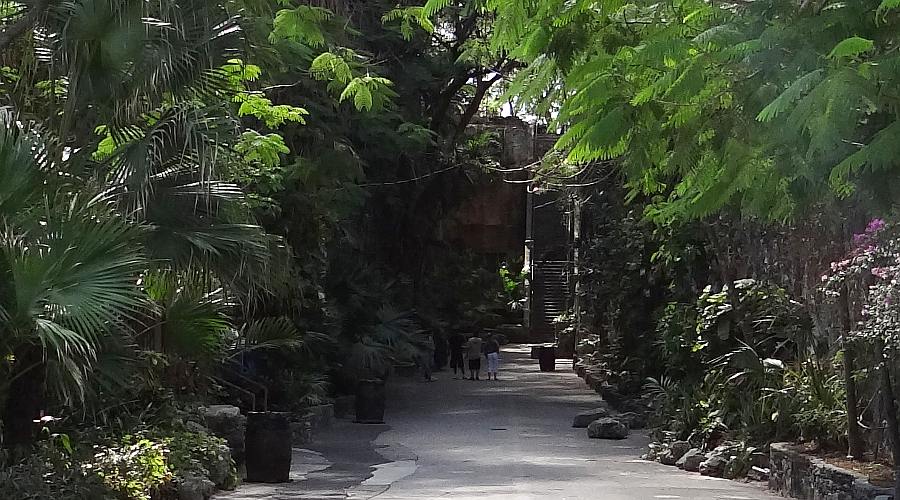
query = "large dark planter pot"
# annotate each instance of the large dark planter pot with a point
(268, 447)
(370, 397)
(547, 359)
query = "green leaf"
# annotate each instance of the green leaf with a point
(301, 24)
(432, 7)
(851, 47)
(887, 5)
(331, 66)
(793, 93)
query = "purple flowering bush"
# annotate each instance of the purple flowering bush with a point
(873, 265)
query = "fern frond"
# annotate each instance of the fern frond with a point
(432, 7)
(791, 95)
(879, 155)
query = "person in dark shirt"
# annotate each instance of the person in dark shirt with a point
(457, 342)
(492, 353)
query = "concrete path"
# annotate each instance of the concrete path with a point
(505, 440)
(338, 465)
(512, 439)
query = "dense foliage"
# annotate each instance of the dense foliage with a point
(198, 192)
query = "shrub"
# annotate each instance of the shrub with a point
(818, 397)
(51, 473)
(727, 368)
(132, 471)
(202, 455)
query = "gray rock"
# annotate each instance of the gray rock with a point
(728, 448)
(195, 488)
(679, 448)
(675, 451)
(735, 467)
(196, 427)
(220, 411)
(226, 422)
(220, 470)
(691, 460)
(607, 428)
(610, 393)
(713, 466)
(759, 474)
(632, 420)
(635, 406)
(585, 418)
(655, 451)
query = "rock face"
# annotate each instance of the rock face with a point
(674, 452)
(585, 418)
(607, 428)
(195, 488)
(226, 422)
(713, 466)
(691, 460)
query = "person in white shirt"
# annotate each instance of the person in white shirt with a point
(473, 349)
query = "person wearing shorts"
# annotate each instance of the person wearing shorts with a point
(457, 343)
(473, 349)
(492, 353)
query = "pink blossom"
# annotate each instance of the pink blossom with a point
(880, 272)
(875, 225)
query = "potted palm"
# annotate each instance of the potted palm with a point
(395, 338)
(268, 436)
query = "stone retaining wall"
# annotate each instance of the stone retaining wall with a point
(801, 476)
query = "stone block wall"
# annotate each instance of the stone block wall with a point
(801, 476)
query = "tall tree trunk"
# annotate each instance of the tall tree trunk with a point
(481, 89)
(890, 410)
(25, 398)
(856, 446)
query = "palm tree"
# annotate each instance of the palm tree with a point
(68, 267)
(85, 217)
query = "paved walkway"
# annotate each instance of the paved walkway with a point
(505, 440)
(513, 439)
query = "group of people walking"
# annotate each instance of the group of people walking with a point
(469, 352)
